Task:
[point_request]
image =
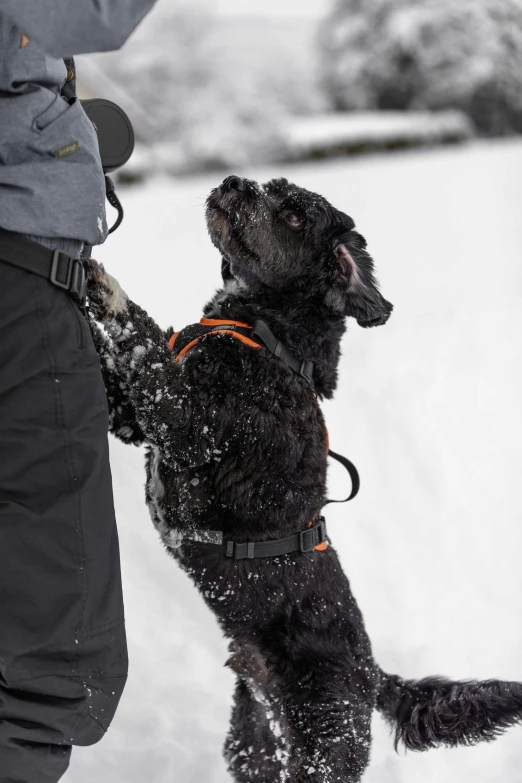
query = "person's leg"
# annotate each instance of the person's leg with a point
(63, 659)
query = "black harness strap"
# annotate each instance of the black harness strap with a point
(304, 541)
(57, 267)
(302, 367)
(262, 331)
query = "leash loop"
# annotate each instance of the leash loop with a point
(354, 476)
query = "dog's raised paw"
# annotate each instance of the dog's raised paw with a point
(106, 296)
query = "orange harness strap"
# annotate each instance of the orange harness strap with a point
(211, 324)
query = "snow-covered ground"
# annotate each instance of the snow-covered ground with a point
(428, 407)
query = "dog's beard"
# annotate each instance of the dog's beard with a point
(219, 227)
(228, 239)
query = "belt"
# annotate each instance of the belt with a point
(59, 268)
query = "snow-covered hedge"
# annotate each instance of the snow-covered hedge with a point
(427, 54)
(217, 91)
(325, 135)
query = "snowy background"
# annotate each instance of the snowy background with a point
(428, 407)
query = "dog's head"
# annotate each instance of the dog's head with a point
(285, 238)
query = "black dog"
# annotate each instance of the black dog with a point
(237, 445)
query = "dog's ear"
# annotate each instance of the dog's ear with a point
(361, 296)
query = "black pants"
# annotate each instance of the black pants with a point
(63, 657)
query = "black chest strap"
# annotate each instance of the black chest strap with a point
(304, 541)
(302, 367)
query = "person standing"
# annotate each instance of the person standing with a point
(63, 656)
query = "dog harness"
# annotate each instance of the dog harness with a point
(260, 336)
(189, 336)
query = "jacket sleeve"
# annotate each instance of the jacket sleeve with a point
(63, 28)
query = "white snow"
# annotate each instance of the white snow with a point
(428, 407)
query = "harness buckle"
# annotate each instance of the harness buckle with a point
(78, 287)
(240, 551)
(306, 370)
(56, 269)
(322, 530)
(306, 540)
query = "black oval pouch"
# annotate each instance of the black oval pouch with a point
(114, 129)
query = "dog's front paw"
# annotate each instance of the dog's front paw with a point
(106, 296)
(249, 663)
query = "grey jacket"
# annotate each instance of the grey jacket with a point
(51, 180)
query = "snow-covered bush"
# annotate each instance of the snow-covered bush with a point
(218, 91)
(427, 54)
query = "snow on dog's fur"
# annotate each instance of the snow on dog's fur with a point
(237, 443)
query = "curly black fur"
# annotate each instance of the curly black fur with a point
(237, 443)
(435, 711)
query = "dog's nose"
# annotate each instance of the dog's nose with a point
(233, 183)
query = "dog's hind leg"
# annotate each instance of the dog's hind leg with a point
(252, 749)
(334, 741)
(257, 747)
(329, 704)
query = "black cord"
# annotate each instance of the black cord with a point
(114, 201)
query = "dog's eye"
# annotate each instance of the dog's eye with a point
(293, 219)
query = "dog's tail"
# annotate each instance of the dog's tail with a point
(434, 711)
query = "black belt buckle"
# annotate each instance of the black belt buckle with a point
(78, 287)
(71, 278)
(57, 276)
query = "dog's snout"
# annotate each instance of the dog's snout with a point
(233, 183)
